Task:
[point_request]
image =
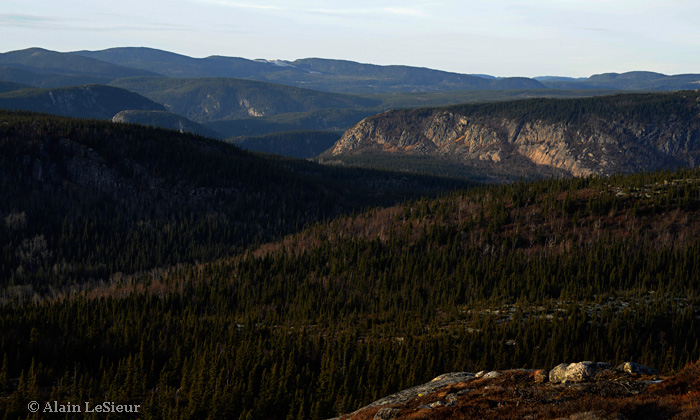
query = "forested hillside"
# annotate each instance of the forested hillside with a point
(10, 86)
(81, 200)
(528, 274)
(297, 144)
(164, 119)
(212, 99)
(85, 101)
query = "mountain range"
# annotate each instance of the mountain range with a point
(196, 280)
(231, 97)
(312, 73)
(44, 68)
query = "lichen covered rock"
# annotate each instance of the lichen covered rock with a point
(636, 368)
(575, 372)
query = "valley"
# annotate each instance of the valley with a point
(236, 97)
(388, 225)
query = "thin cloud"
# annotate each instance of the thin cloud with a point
(367, 12)
(242, 5)
(24, 20)
(145, 27)
(81, 25)
(404, 11)
(592, 29)
(340, 12)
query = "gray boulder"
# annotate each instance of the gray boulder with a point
(581, 371)
(491, 375)
(558, 373)
(636, 368)
(576, 372)
(386, 413)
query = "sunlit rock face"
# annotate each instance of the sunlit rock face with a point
(616, 138)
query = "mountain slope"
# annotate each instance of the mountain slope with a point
(323, 322)
(88, 101)
(44, 68)
(296, 144)
(164, 119)
(10, 86)
(211, 99)
(135, 198)
(621, 133)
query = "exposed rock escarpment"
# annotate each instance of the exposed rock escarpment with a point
(621, 133)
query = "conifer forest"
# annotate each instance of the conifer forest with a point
(196, 280)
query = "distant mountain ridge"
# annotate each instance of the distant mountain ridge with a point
(314, 73)
(45, 68)
(348, 76)
(633, 80)
(236, 96)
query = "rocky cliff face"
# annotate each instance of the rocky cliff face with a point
(622, 133)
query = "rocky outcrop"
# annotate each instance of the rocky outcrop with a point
(386, 413)
(575, 372)
(622, 133)
(635, 368)
(527, 392)
(432, 386)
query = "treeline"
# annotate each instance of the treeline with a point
(325, 119)
(644, 108)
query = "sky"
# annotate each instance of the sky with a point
(576, 38)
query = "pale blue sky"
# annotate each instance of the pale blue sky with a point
(498, 37)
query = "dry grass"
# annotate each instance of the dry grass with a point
(515, 395)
